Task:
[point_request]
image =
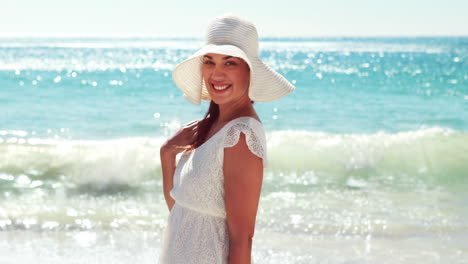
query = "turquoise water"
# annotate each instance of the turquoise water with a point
(113, 88)
(369, 153)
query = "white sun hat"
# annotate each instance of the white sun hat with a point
(233, 36)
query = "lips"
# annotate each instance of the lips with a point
(220, 87)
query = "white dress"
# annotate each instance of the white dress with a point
(196, 231)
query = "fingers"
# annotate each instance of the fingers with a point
(193, 134)
(193, 123)
(182, 148)
(194, 137)
(191, 131)
(186, 136)
(193, 127)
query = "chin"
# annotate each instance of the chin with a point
(219, 101)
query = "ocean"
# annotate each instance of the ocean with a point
(368, 157)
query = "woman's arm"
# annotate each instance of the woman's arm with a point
(243, 175)
(181, 141)
(168, 165)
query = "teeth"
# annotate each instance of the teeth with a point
(220, 87)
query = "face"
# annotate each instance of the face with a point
(226, 78)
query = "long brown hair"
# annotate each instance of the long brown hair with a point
(204, 127)
(206, 123)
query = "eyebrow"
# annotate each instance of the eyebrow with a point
(224, 58)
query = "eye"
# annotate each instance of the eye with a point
(208, 62)
(231, 63)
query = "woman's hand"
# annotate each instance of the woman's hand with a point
(181, 140)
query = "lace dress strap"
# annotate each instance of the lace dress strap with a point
(254, 134)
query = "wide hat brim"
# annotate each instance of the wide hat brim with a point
(265, 83)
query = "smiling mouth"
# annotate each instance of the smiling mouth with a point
(221, 87)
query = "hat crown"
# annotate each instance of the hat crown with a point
(237, 37)
(233, 30)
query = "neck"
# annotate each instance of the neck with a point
(227, 112)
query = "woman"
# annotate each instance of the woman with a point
(214, 189)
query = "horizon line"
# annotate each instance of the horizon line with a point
(175, 37)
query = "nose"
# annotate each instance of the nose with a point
(218, 73)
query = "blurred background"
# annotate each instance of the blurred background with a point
(368, 157)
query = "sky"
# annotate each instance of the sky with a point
(188, 18)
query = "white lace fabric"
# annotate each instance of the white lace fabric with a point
(196, 231)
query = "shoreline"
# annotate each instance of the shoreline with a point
(90, 246)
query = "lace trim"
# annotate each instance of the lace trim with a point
(255, 139)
